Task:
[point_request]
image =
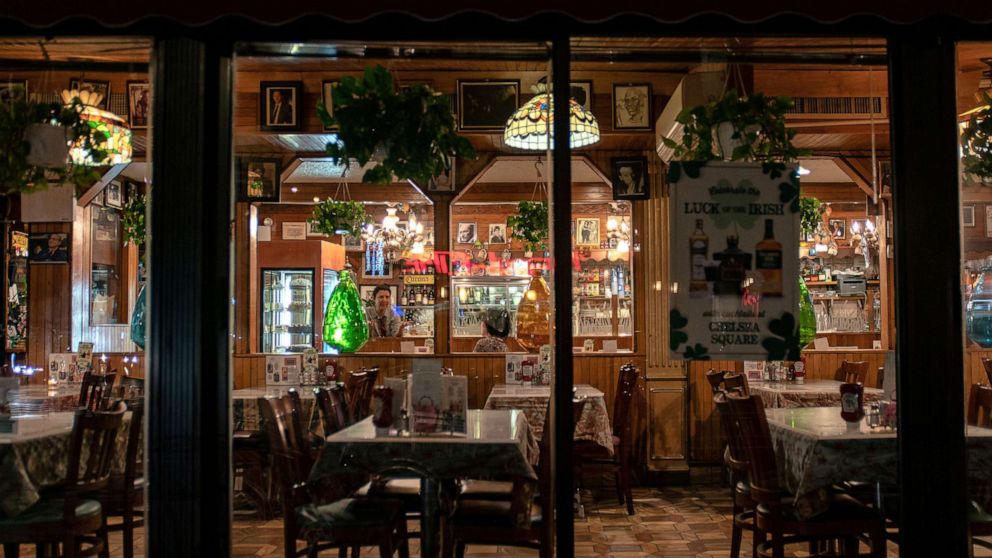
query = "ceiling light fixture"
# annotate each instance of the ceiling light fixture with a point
(532, 125)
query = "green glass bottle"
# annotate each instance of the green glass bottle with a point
(345, 326)
(138, 320)
(807, 317)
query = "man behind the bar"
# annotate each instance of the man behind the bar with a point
(383, 321)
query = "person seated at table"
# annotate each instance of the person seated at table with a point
(495, 328)
(383, 321)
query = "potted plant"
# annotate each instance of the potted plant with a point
(810, 216)
(976, 143)
(410, 132)
(339, 217)
(26, 130)
(133, 223)
(737, 128)
(530, 225)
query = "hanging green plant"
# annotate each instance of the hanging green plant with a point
(133, 221)
(753, 130)
(810, 215)
(976, 142)
(339, 217)
(17, 115)
(412, 129)
(530, 225)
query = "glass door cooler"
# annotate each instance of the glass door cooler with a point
(472, 297)
(288, 314)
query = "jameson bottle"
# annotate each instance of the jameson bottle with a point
(698, 251)
(768, 256)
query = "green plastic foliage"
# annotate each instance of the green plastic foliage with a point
(345, 327)
(138, 320)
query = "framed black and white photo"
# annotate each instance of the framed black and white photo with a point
(497, 233)
(294, 231)
(444, 182)
(838, 228)
(327, 97)
(988, 221)
(139, 101)
(312, 232)
(630, 178)
(485, 105)
(48, 248)
(353, 243)
(632, 106)
(587, 232)
(467, 233)
(98, 86)
(581, 91)
(10, 86)
(967, 216)
(258, 178)
(279, 105)
(115, 197)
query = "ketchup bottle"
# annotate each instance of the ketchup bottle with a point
(382, 403)
(852, 401)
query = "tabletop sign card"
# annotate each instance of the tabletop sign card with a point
(398, 385)
(282, 370)
(521, 369)
(754, 370)
(735, 234)
(425, 401)
(84, 362)
(64, 367)
(454, 402)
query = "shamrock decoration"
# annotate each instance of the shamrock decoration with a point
(691, 168)
(734, 196)
(676, 322)
(788, 193)
(785, 346)
(696, 353)
(772, 169)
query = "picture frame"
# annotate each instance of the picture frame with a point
(96, 85)
(114, 195)
(279, 106)
(259, 179)
(444, 182)
(632, 106)
(49, 248)
(967, 216)
(630, 178)
(7, 89)
(838, 228)
(139, 101)
(988, 221)
(486, 104)
(587, 232)
(466, 232)
(294, 231)
(497, 233)
(352, 243)
(387, 272)
(327, 97)
(581, 91)
(365, 293)
(312, 232)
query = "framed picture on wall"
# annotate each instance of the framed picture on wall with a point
(258, 179)
(497, 233)
(97, 86)
(312, 232)
(988, 221)
(139, 100)
(630, 178)
(9, 87)
(48, 248)
(581, 91)
(485, 105)
(294, 231)
(327, 97)
(115, 195)
(967, 216)
(838, 228)
(467, 233)
(632, 106)
(279, 105)
(587, 232)
(353, 243)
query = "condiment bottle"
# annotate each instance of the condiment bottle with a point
(852, 401)
(382, 406)
(800, 370)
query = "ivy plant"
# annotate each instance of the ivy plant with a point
(530, 225)
(810, 214)
(17, 114)
(976, 142)
(133, 221)
(337, 217)
(412, 129)
(759, 128)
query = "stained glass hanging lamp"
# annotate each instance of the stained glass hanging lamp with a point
(108, 131)
(532, 125)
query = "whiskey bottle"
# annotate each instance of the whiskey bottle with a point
(768, 261)
(698, 251)
(403, 298)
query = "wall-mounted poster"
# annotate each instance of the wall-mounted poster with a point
(282, 370)
(735, 262)
(521, 369)
(17, 293)
(48, 248)
(988, 221)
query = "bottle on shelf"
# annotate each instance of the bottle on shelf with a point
(404, 300)
(419, 296)
(698, 252)
(768, 261)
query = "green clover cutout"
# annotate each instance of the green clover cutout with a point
(773, 169)
(690, 168)
(674, 172)
(785, 344)
(729, 201)
(698, 352)
(788, 193)
(676, 322)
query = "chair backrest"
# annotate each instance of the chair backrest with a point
(358, 391)
(987, 364)
(92, 449)
(134, 462)
(330, 405)
(736, 382)
(853, 372)
(980, 406)
(96, 390)
(578, 407)
(290, 454)
(129, 387)
(737, 453)
(622, 404)
(749, 415)
(880, 379)
(715, 378)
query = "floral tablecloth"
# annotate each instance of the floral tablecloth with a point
(247, 417)
(816, 393)
(37, 457)
(593, 425)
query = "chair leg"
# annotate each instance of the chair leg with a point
(69, 547)
(343, 552)
(736, 534)
(757, 537)
(778, 546)
(460, 550)
(356, 551)
(128, 531)
(618, 479)
(13, 550)
(385, 551)
(102, 534)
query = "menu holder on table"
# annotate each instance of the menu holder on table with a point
(754, 370)
(282, 370)
(454, 403)
(425, 401)
(400, 396)
(64, 367)
(84, 362)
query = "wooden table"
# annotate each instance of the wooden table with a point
(816, 448)
(248, 418)
(498, 445)
(593, 425)
(816, 393)
(41, 399)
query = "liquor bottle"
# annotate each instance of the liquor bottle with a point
(419, 296)
(768, 261)
(731, 271)
(698, 252)
(404, 300)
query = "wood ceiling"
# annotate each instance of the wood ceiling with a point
(126, 50)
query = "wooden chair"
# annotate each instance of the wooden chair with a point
(330, 406)
(735, 459)
(129, 387)
(736, 382)
(844, 518)
(334, 522)
(880, 378)
(980, 406)
(358, 393)
(987, 364)
(96, 390)
(69, 517)
(125, 492)
(715, 379)
(852, 372)
(590, 453)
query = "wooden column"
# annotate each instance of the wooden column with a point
(928, 296)
(189, 434)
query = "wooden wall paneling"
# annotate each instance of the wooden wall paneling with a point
(49, 305)
(442, 243)
(667, 437)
